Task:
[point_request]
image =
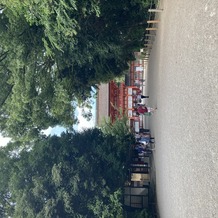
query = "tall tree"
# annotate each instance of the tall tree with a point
(74, 175)
(53, 52)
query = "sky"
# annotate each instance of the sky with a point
(83, 124)
(3, 140)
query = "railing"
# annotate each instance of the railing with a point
(150, 31)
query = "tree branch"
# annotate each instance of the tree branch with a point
(3, 56)
(6, 97)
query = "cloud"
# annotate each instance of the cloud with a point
(57, 130)
(47, 131)
(4, 140)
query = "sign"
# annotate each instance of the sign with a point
(139, 68)
(129, 102)
(129, 91)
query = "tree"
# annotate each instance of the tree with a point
(53, 53)
(31, 98)
(74, 175)
(6, 208)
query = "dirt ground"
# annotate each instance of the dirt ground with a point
(183, 84)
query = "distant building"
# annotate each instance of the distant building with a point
(112, 98)
(110, 101)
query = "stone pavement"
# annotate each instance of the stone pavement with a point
(183, 84)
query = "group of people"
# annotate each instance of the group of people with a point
(143, 138)
(141, 108)
(143, 143)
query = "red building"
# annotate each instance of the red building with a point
(114, 100)
(110, 101)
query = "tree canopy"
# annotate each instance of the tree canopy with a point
(53, 53)
(74, 175)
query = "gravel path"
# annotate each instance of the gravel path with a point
(183, 84)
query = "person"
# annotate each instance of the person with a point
(142, 96)
(138, 94)
(139, 82)
(139, 148)
(139, 97)
(142, 130)
(144, 110)
(139, 135)
(142, 149)
(146, 140)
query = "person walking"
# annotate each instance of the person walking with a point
(142, 96)
(145, 110)
(138, 94)
(138, 98)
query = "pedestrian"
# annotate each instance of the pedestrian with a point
(146, 140)
(142, 96)
(139, 82)
(145, 110)
(142, 130)
(138, 98)
(142, 149)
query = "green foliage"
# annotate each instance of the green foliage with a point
(53, 53)
(111, 210)
(119, 128)
(78, 174)
(138, 214)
